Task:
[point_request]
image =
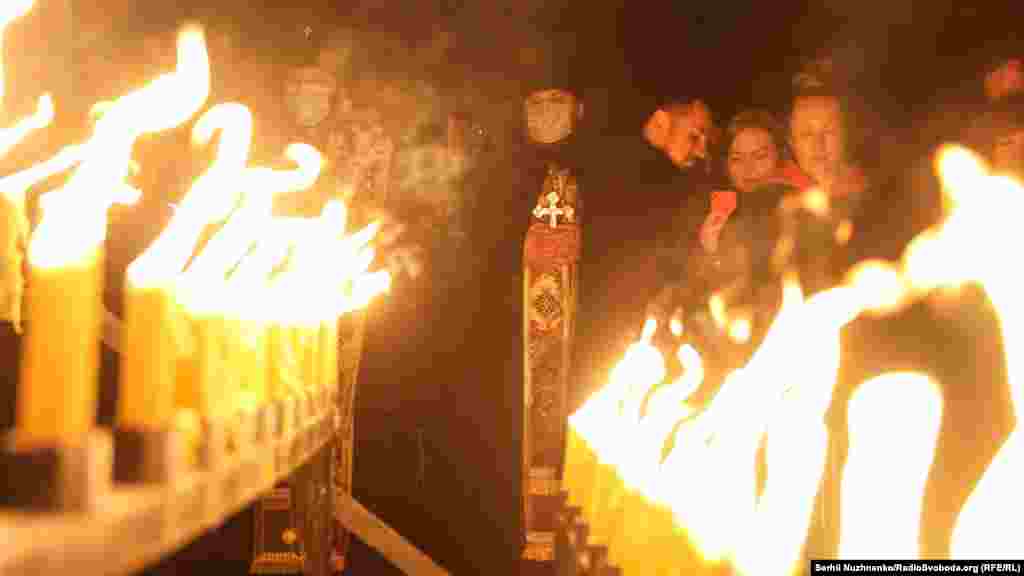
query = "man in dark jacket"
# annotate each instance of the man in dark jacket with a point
(644, 202)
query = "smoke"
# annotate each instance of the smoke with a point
(430, 174)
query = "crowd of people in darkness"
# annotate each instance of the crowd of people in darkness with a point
(685, 207)
(735, 230)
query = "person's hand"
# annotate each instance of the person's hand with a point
(1004, 80)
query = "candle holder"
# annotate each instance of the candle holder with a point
(316, 413)
(214, 445)
(574, 555)
(284, 416)
(596, 561)
(285, 410)
(301, 430)
(251, 469)
(266, 433)
(218, 453)
(267, 424)
(66, 477)
(565, 542)
(147, 456)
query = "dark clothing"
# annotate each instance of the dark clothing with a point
(10, 361)
(638, 205)
(438, 419)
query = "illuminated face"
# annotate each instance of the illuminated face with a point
(753, 157)
(686, 134)
(550, 115)
(1008, 153)
(816, 136)
(309, 92)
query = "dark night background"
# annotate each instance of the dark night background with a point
(446, 477)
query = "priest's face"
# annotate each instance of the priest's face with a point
(753, 157)
(551, 115)
(816, 136)
(1008, 153)
(687, 137)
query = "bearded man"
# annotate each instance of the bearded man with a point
(655, 192)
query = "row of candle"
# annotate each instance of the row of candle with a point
(702, 504)
(614, 448)
(228, 309)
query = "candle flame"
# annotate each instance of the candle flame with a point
(73, 219)
(209, 200)
(675, 324)
(894, 423)
(246, 224)
(41, 118)
(779, 400)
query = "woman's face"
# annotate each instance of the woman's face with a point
(816, 136)
(753, 157)
(1008, 153)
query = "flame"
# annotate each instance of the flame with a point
(816, 202)
(73, 219)
(739, 329)
(894, 423)
(981, 529)
(751, 405)
(209, 200)
(230, 244)
(675, 325)
(717, 308)
(41, 118)
(781, 397)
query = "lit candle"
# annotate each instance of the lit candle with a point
(631, 535)
(149, 358)
(58, 387)
(186, 392)
(578, 463)
(210, 381)
(150, 328)
(307, 331)
(329, 352)
(16, 226)
(668, 548)
(641, 369)
(894, 422)
(282, 364)
(253, 363)
(234, 358)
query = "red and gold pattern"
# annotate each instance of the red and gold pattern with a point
(551, 254)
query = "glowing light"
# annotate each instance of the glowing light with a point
(894, 424)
